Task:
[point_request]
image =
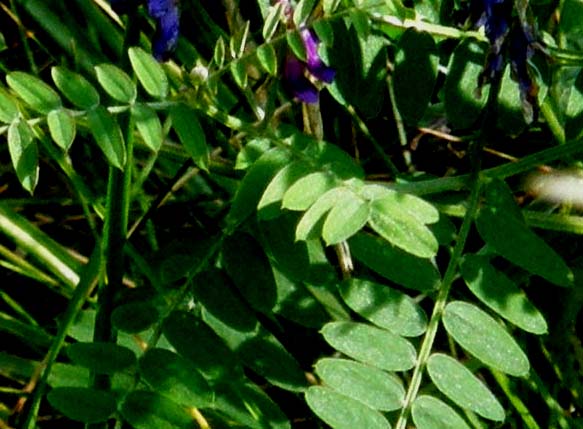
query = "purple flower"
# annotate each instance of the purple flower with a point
(167, 16)
(296, 71)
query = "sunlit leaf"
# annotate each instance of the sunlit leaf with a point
(34, 92)
(190, 132)
(479, 334)
(62, 128)
(366, 384)
(346, 218)
(116, 83)
(149, 72)
(148, 125)
(108, 136)
(75, 88)
(342, 412)
(431, 413)
(24, 154)
(368, 344)
(458, 383)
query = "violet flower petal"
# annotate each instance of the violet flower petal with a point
(314, 63)
(297, 83)
(167, 15)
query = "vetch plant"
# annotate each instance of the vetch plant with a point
(210, 254)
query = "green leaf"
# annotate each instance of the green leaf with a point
(272, 21)
(102, 358)
(302, 11)
(462, 106)
(267, 58)
(511, 118)
(75, 88)
(191, 135)
(134, 317)
(305, 191)
(458, 383)
(254, 184)
(254, 280)
(3, 45)
(401, 228)
(347, 217)
(148, 125)
(247, 404)
(413, 206)
(366, 384)
(150, 410)
(501, 294)
(525, 249)
(83, 404)
(415, 74)
(269, 206)
(108, 136)
(384, 306)
(175, 377)
(116, 83)
(431, 413)
(312, 220)
(393, 263)
(62, 128)
(239, 71)
(296, 44)
(196, 341)
(149, 72)
(24, 154)
(8, 107)
(220, 52)
(33, 91)
(483, 337)
(379, 348)
(342, 412)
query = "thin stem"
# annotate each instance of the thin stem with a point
(439, 306)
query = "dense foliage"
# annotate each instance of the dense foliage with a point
(291, 214)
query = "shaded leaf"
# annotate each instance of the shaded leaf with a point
(150, 410)
(501, 294)
(134, 317)
(191, 135)
(148, 125)
(385, 307)
(102, 358)
(479, 334)
(393, 263)
(108, 136)
(83, 404)
(175, 377)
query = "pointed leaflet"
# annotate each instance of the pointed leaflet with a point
(368, 344)
(62, 128)
(431, 413)
(366, 384)
(384, 306)
(342, 412)
(501, 294)
(185, 123)
(149, 72)
(511, 238)
(116, 83)
(75, 88)
(458, 383)
(108, 136)
(148, 125)
(23, 153)
(482, 336)
(34, 92)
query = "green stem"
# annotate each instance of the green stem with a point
(439, 306)
(87, 283)
(523, 411)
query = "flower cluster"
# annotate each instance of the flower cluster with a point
(296, 72)
(167, 16)
(514, 37)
